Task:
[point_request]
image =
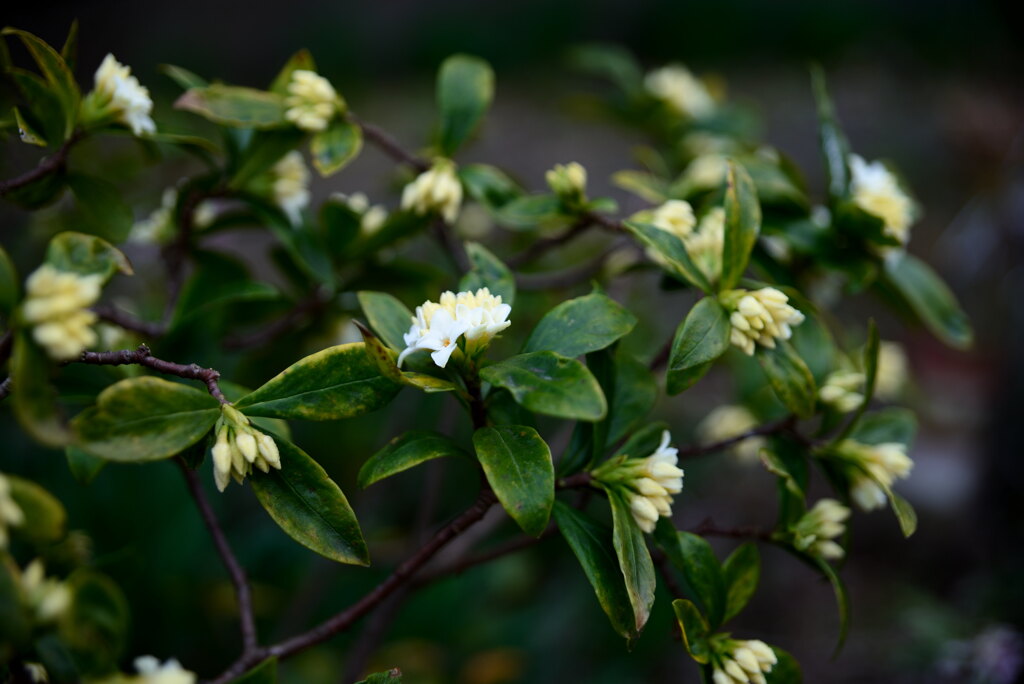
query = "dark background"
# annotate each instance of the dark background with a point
(934, 86)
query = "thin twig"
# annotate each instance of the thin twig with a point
(539, 247)
(55, 162)
(387, 144)
(661, 358)
(143, 357)
(708, 528)
(665, 567)
(569, 277)
(451, 245)
(127, 321)
(242, 592)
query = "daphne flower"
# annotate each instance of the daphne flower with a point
(435, 190)
(649, 483)
(568, 181)
(371, 217)
(681, 90)
(240, 447)
(730, 421)
(742, 662)
(706, 172)
(872, 469)
(840, 390)
(892, 372)
(817, 529)
(705, 244)
(152, 672)
(312, 101)
(876, 191)
(291, 185)
(55, 307)
(11, 514)
(119, 94)
(760, 316)
(437, 326)
(46, 597)
(674, 217)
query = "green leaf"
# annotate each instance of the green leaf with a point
(634, 558)
(741, 572)
(785, 671)
(642, 184)
(183, 77)
(392, 676)
(95, 628)
(26, 132)
(9, 285)
(904, 512)
(404, 452)
(56, 73)
(388, 317)
(590, 543)
(581, 326)
(892, 424)
(870, 366)
(636, 392)
(15, 622)
(41, 119)
(265, 149)
(788, 464)
(338, 382)
(529, 211)
(488, 271)
(45, 518)
(833, 143)
(692, 554)
(33, 397)
(334, 148)
(86, 255)
(101, 207)
(742, 225)
(69, 51)
(701, 338)
(517, 464)
(310, 507)
(673, 254)
(84, 467)
(41, 192)
(465, 88)
(931, 300)
(300, 60)
(144, 419)
(218, 281)
(695, 630)
(643, 442)
(790, 378)
(609, 61)
(842, 599)
(264, 673)
(341, 226)
(548, 383)
(235, 106)
(488, 185)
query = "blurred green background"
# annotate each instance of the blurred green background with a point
(934, 86)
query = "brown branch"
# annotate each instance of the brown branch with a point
(387, 144)
(539, 247)
(708, 528)
(661, 358)
(143, 357)
(55, 162)
(127, 321)
(242, 592)
(606, 222)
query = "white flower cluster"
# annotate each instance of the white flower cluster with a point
(873, 468)
(239, 447)
(760, 316)
(55, 307)
(435, 190)
(703, 241)
(729, 421)
(840, 390)
(46, 597)
(680, 89)
(151, 671)
(372, 217)
(650, 482)
(674, 217)
(743, 662)
(877, 191)
(817, 529)
(11, 514)
(437, 326)
(893, 369)
(312, 101)
(119, 93)
(291, 185)
(568, 181)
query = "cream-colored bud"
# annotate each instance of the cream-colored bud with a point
(312, 101)
(746, 659)
(734, 670)
(720, 677)
(643, 509)
(246, 443)
(760, 316)
(268, 449)
(649, 487)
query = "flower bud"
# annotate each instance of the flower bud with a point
(55, 305)
(681, 90)
(876, 190)
(290, 187)
(568, 182)
(760, 316)
(118, 96)
(436, 190)
(312, 101)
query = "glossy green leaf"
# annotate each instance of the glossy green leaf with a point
(235, 106)
(84, 467)
(310, 507)
(334, 148)
(790, 466)
(635, 394)
(338, 382)
(300, 60)
(545, 382)
(41, 120)
(672, 252)
(741, 572)
(701, 338)
(69, 51)
(27, 133)
(517, 464)
(931, 300)
(33, 397)
(893, 424)
(642, 184)
(643, 442)
(145, 419)
(695, 630)
(833, 143)
(265, 149)
(86, 255)
(904, 512)
(692, 554)
(341, 225)
(785, 671)
(404, 452)
(634, 558)
(96, 627)
(580, 326)
(264, 673)
(10, 287)
(44, 516)
(591, 544)
(790, 378)
(183, 77)
(488, 185)
(488, 271)
(56, 73)
(465, 88)
(529, 211)
(218, 281)
(388, 317)
(101, 207)
(742, 225)
(392, 676)
(842, 599)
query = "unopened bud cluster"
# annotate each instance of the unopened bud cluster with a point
(703, 241)
(372, 217)
(741, 662)
(47, 598)
(473, 317)
(569, 182)
(759, 316)
(436, 190)
(56, 307)
(876, 190)
(677, 87)
(119, 96)
(291, 185)
(239, 448)
(649, 483)
(872, 469)
(312, 101)
(11, 514)
(840, 390)
(815, 531)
